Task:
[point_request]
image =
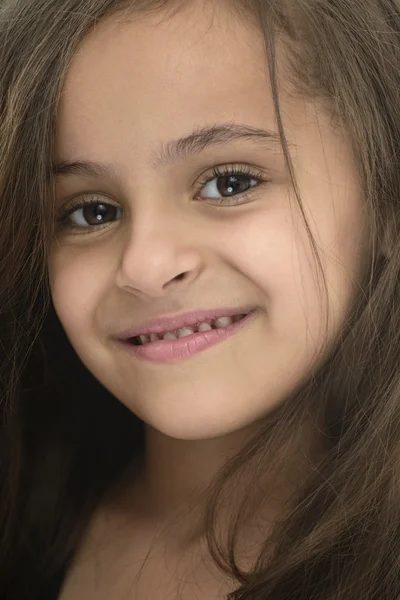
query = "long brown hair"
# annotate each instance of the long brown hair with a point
(340, 539)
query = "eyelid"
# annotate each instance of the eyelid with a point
(81, 201)
(78, 203)
(224, 169)
(220, 170)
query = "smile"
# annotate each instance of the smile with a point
(178, 345)
(219, 323)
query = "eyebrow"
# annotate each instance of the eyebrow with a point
(175, 150)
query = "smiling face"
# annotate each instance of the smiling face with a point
(170, 233)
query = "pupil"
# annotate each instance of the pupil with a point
(99, 213)
(233, 184)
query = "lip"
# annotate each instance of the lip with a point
(167, 351)
(180, 321)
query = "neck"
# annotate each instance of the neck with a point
(170, 490)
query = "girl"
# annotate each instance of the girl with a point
(206, 196)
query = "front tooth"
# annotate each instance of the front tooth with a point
(144, 339)
(154, 337)
(223, 322)
(169, 336)
(205, 327)
(185, 331)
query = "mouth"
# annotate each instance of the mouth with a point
(182, 344)
(189, 330)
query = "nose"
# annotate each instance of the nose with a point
(159, 253)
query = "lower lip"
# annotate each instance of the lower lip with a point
(165, 351)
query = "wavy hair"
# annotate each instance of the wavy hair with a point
(340, 539)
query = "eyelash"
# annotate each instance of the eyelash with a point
(217, 172)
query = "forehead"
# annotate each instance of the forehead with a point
(131, 85)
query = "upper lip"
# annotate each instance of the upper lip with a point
(180, 321)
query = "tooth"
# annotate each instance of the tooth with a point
(237, 318)
(144, 339)
(154, 337)
(205, 327)
(223, 322)
(169, 336)
(185, 332)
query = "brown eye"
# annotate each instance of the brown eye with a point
(233, 184)
(94, 214)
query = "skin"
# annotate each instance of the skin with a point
(122, 100)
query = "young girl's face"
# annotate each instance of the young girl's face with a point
(169, 235)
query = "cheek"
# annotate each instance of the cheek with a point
(273, 251)
(76, 283)
(339, 225)
(275, 257)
